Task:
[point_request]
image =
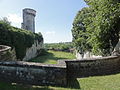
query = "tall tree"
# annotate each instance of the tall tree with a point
(80, 34)
(101, 22)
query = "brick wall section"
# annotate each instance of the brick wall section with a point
(33, 73)
(93, 67)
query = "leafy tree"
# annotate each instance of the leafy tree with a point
(80, 34)
(100, 26)
(5, 19)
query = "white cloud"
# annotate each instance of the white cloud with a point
(14, 18)
(50, 32)
(49, 36)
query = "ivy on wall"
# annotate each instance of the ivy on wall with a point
(17, 38)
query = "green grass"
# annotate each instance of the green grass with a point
(111, 82)
(52, 56)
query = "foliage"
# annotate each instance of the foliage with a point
(59, 46)
(96, 28)
(17, 38)
(51, 57)
(80, 34)
(5, 19)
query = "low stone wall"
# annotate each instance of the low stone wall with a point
(6, 53)
(93, 67)
(33, 73)
(86, 55)
(116, 50)
(61, 74)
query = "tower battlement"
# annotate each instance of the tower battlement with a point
(29, 11)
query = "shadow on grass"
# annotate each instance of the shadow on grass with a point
(73, 83)
(9, 86)
(45, 58)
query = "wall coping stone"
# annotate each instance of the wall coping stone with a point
(93, 59)
(4, 48)
(30, 64)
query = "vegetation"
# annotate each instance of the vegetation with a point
(51, 57)
(111, 82)
(59, 46)
(96, 27)
(17, 38)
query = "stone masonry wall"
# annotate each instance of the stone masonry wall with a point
(86, 55)
(6, 53)
(33, 51)
(56, 75)
(32, 73)
(93, 67)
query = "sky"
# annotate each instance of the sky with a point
(53, 19)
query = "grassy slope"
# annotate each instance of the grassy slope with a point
(52, 56)
(111, 82)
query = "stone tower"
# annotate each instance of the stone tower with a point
(29, 19)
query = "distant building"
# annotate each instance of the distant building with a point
(28, 19)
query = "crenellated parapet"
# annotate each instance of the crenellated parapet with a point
(29, 11)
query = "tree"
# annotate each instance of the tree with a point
(80, 34)
(5, 20)
(96, 28)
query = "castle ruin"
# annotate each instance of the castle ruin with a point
(29, 19)
(29, 24)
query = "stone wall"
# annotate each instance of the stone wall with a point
(86, 54)
(56, 75)
(33, 51)
(33, 73)
(93, 67)
(6, 53)
(116, 50)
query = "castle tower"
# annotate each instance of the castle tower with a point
(29, 19)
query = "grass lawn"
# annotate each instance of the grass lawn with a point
(52, 56)
(111, 82)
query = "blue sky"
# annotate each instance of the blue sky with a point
(54, 17)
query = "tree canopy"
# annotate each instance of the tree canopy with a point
(96, 27)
